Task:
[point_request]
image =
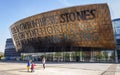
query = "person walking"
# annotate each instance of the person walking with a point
(43, 62)
(28, 65)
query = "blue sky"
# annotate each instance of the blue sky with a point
(14, 10)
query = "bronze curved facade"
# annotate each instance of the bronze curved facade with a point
(80, 26)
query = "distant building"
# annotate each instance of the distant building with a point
(116, 25)
(10, 51)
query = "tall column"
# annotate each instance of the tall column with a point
(80, 55)
(70, 56)
(53, 56)
(92, 55)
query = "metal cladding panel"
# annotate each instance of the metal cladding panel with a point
(83, 26)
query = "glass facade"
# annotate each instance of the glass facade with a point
(10, 51)
(116, 25)
(81, 55)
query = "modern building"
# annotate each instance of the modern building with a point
(80, 33)
(116, 25)
(10, 51)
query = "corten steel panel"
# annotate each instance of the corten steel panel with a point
(81, 26)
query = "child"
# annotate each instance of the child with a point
(32, 67)
(28, 65)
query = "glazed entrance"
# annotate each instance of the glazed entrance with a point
(80, 55)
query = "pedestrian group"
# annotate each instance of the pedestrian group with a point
(31, 65)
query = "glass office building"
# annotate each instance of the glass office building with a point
(10, 51)
(116, 25)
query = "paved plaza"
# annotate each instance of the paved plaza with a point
(9, 68)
